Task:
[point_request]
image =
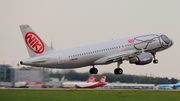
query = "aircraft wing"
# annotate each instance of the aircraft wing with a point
(123, 55)
(126, 55)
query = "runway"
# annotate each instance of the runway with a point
(86, 89)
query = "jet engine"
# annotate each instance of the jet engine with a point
(142, 59)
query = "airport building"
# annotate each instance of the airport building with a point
(6, 73)
(10, 74)
(28, 74)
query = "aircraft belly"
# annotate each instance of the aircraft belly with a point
(80, 61)
(75, 63)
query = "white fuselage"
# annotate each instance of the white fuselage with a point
(20, 84)
(99, 53)
(83, 84)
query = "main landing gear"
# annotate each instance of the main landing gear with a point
(118, 70)
(93, 70)
(155, 61)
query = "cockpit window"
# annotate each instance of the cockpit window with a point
(165, 39)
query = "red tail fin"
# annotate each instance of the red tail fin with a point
(91, 79)
(103, 79)
(33, 42)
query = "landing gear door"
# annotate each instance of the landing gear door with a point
(60, 59)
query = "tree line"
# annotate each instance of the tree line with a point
(72, 75)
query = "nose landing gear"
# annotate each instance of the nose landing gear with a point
(155, 61)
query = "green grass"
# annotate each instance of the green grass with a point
(88, 95)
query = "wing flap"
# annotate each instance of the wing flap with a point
(126, 55)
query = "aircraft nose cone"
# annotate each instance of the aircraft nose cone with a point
(171, 43)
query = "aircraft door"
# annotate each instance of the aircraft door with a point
(60, 58)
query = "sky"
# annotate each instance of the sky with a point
(70, 23)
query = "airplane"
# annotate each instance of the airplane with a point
(71, 84)
(169, 86)
(26, 84)
(21, 84)
(92, 85)
(85, 84)
(139, 50)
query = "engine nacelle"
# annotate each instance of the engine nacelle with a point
(142, 59)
